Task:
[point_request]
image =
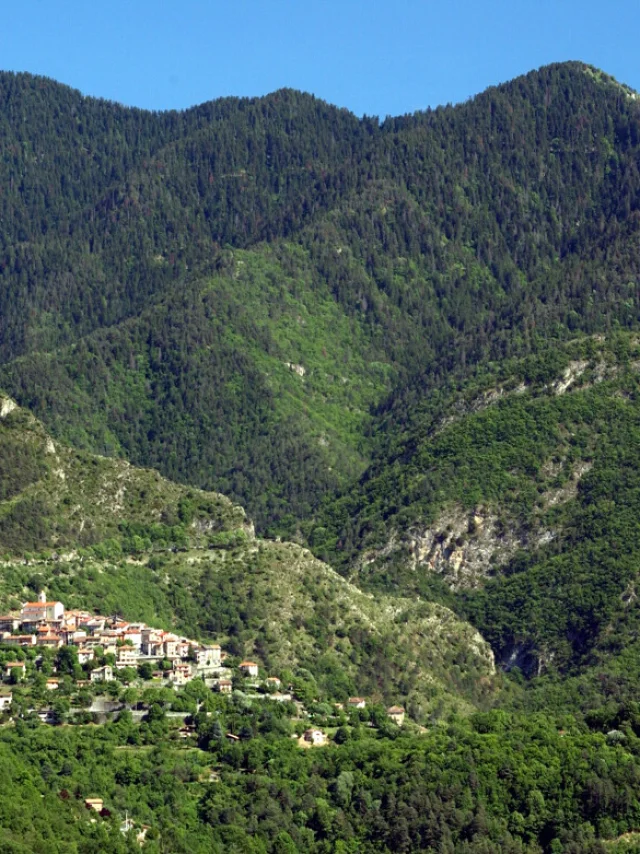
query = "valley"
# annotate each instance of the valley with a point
(323, 432)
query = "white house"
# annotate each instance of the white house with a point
(396, 714)
(9, 623)
(127, 657)
(102, 674)
(134, 636)
(170, 646)
(50, 640)
(315, 737)
(17, 667)
(249, 668)
(41, 611)
(208, 657)
(19, 640)
(85, 655)
(181, 673)
(94, 625)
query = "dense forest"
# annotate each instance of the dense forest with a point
(412, 348)
(496, 782)
(161, 271)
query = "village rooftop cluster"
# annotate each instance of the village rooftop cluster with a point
(48, 625)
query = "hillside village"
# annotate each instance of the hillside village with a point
(73, 667)
(48, 625)
(105, 650)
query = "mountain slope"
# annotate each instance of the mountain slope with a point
(418, 246)
(400, 261)
(114, 538)
(55, 497)
(412, 344)
(514, 499)
(99, 195)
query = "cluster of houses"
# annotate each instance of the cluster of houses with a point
(48, 625)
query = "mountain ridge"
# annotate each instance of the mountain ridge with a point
(465, 233)
(124, 540)
(410, 346)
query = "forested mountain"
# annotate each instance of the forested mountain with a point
(513, 495)
(474, 779)
(160, 270)
(99, 533)
(413, 347)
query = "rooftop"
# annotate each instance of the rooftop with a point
(39, 604)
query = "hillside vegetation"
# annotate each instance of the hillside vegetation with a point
(53, 497)
(161, 270)
(411, 350)
(101, 534)
(514, 499)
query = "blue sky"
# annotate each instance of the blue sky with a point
(382, 58)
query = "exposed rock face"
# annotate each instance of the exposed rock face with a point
(463, 547)
(297, 369)
(570, 488)
(488, 398)
(466, 547)
(6, 406)
(572, 372)
(212, 526)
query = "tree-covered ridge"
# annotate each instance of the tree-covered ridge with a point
(106, 206)
(428, 242)
(499, 782)
(249, 381)
(53, 497)
(513, 498)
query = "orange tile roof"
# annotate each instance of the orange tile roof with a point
(39, 604)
